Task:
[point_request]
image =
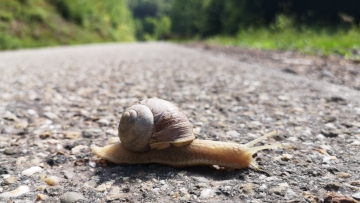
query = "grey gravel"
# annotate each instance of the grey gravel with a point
(71, 197)
(57, 102)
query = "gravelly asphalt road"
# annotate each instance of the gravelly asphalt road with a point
(56, 102)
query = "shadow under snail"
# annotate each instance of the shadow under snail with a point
(157, 131)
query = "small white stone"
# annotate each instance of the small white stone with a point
(3, 144)
(112, 132)
(356, 196)
(156, 191)
(196, 130)
(320, 136)
(92, 164)
(292, 139)
(101, 188)
(290, 194)
(52, 180)
(283, 185)
(31, 171)
(263, 187)
(183, 190)
(206, 193)
(286, 157)
(17, 192)
(78, 149)
(232, 133)
(355, 142)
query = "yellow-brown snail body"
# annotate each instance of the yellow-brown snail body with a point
(156, 131)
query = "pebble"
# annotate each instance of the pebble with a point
(343, 175)
(156, 191)
(10, 151)
(197, 130)
(41, 188)
(45, 134)
(21, 125)
(247, 188)
(3, 144)
(91, 132)
(52, 180)
(92, 164)
(51, 115)
(68, 174)
(90, 184)
(186, 197)
(290, 194)
(292, 139)
(103, 121)
(78, 149)
(328, 133)
(35, 161)
(206, 193)
(112, 132)
(333, 186)
(41, 197)
(32, 112)
(280, 189)
(9, 180)
(8, 130)
(115, 194)
(286, 157)
(31, 171)
(183, 190)
(355, 142)
(263, 187)
(101, 188)
(164, 187)
(327, 73)
(356, 195)
(336, 197)
(17, 192)
(73, 135)
(71, 197)
(57, 159)
(105, 186)
(201, 185)
(10, 116)
(201, 179)
(233, 134)
(355, 183)
(310, 197)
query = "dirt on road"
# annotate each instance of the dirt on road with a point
(57, 102)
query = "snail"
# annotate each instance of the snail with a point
(157, 131)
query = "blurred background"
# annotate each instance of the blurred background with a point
(312, 26)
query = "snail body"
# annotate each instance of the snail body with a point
(170, 141)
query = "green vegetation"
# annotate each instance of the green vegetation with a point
(152, 19)
(310, 41)
(305, 25)
(312, 26)
(35, 23)
(285, 36)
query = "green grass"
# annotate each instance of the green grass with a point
(38, 23)
(325, 41)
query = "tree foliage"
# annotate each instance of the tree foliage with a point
(152, 19)
(213, 17)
